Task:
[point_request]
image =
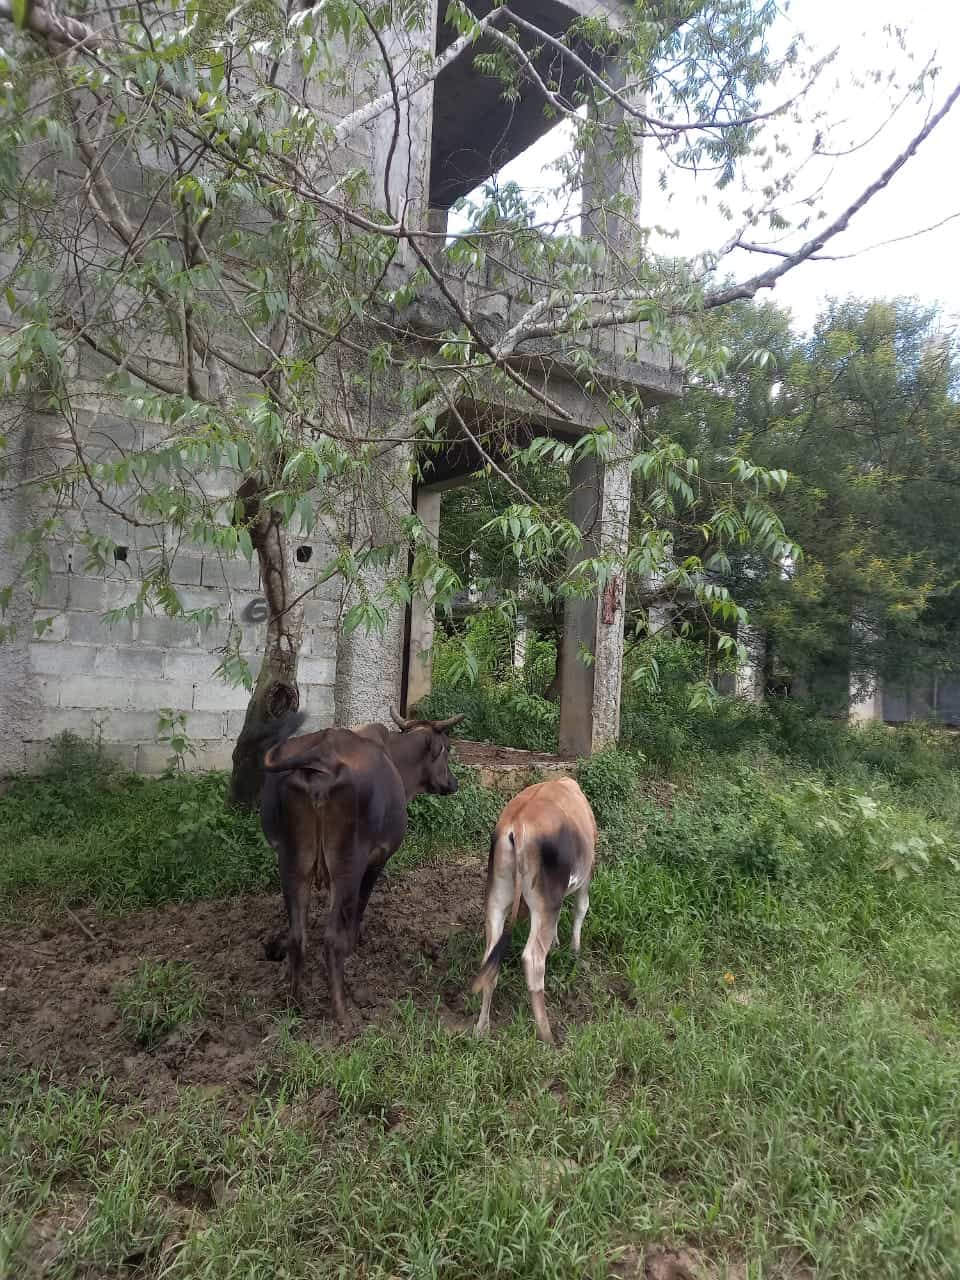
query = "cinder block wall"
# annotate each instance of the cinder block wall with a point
(107, 682)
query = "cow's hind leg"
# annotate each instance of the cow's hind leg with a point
(296, 874)
(498, 903)
(378, 860)
(500, 889)
(339, 938)
(297, 853)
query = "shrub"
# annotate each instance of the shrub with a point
(464, 819)
(506, 714)
(87, 830)
(610, 782)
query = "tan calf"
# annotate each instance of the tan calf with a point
(542, 849)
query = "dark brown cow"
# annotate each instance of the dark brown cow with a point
(335, 809)
(541, 850)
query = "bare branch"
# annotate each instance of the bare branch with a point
(767, 279)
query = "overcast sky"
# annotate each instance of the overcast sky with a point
(924, 193)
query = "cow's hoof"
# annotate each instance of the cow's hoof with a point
(275, 948)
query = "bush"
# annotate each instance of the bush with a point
(506, 714)
(464, 819)
(86, 831)
(610, 782)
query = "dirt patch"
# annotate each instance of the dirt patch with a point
(57, 989)
(663, 1262)
(491, 755)
(508, 769)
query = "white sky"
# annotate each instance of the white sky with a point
(924, 192)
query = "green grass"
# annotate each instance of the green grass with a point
(760, 1050)
(90, 833)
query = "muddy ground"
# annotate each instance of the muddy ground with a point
(58, 984)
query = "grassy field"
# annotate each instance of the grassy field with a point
(760, 1057)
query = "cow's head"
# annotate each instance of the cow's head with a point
(432, 761)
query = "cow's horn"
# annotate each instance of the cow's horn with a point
(399, 721)
(442, 726)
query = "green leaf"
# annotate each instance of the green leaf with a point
(21, 13)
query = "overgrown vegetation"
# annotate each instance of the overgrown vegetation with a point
(761, 1060)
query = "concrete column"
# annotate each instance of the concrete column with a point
(750, 672)
(607, 174)
(867, 707)
(370, 664)
(20, 700)
(660, 614)
(422, 618)
(520, 643)
(590, 695)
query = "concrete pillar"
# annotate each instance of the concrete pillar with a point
(422, 618)
(520, 643)
(750, 672)
(370, 663)
(20, 701)
(607, 174)
(599, 503)
(865, 707)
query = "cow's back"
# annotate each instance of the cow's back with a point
(368, 791)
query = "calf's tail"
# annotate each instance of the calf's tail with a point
(491, 965)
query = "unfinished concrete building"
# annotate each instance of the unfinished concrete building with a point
(84, 675)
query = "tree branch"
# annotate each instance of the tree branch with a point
(767, 279)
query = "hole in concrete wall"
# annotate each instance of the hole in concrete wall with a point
(120, 554)
(303, 554)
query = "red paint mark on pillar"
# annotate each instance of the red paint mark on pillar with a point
(611, 602)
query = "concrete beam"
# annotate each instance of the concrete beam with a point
(476, 131)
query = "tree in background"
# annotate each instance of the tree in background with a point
(865, 416)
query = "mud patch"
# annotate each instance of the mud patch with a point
(663, 1262)
(57, 1002)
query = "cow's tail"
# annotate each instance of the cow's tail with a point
(267, 736)
(491, 965)
(271, 733)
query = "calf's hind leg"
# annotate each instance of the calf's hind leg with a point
(580, 909)
(543, 928)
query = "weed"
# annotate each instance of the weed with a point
(157, 999)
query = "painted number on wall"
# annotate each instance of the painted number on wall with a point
(255, 611)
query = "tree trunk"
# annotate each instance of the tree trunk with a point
(275, 693)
